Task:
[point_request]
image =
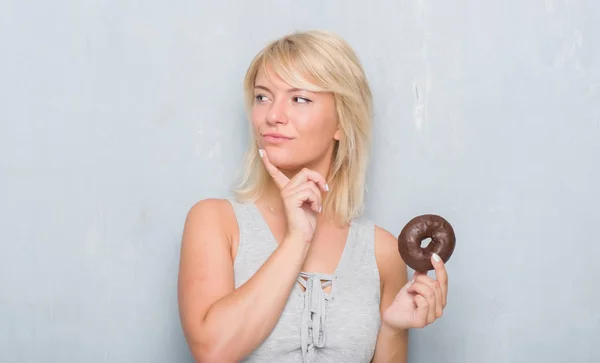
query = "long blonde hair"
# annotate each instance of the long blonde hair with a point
(328, 60)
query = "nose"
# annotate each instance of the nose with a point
(278, 113)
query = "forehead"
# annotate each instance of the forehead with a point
(267, 76)
(285, 76)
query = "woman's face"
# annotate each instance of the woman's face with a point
(297, 128)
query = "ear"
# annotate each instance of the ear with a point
(338, 134)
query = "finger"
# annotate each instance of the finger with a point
(422, 311)
(305, 175)
(435, 286)
(427, 292)
(278, 177)
(419, 273)
(307, 196)
(407, 285)
(308, 185)
(441, 275)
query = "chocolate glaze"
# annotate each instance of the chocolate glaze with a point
(418, 229)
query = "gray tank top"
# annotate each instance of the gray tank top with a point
(338, 326)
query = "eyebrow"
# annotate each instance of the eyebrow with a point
(290, 90)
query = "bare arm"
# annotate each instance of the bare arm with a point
(222, 324)
(392, 345)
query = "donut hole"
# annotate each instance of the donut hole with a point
(425, 242)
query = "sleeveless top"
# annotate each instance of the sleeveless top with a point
(340, 325)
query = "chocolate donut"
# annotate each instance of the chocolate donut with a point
(418, 229)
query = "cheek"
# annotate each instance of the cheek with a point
(316, 132)
(257, 117)
(320, 123)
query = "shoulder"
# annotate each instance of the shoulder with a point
(392, 269)
(212, 215)
(214, 207)
(211, 209)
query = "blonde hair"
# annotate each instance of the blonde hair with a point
(332, 65)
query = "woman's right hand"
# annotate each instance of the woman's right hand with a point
(301, 198)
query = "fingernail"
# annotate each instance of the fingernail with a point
(326, 187)
(436, 258)
(410, 283)
(261, 152)
(320, 208)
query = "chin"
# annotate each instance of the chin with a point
(284, 159)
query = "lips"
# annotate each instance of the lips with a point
(275, 138)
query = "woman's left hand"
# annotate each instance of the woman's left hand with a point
(421, 301)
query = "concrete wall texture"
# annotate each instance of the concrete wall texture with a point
(115, 117)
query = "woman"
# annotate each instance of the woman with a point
(289, 270)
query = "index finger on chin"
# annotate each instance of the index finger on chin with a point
(278, 177)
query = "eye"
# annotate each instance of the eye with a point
(301, 100)
(260, 98)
